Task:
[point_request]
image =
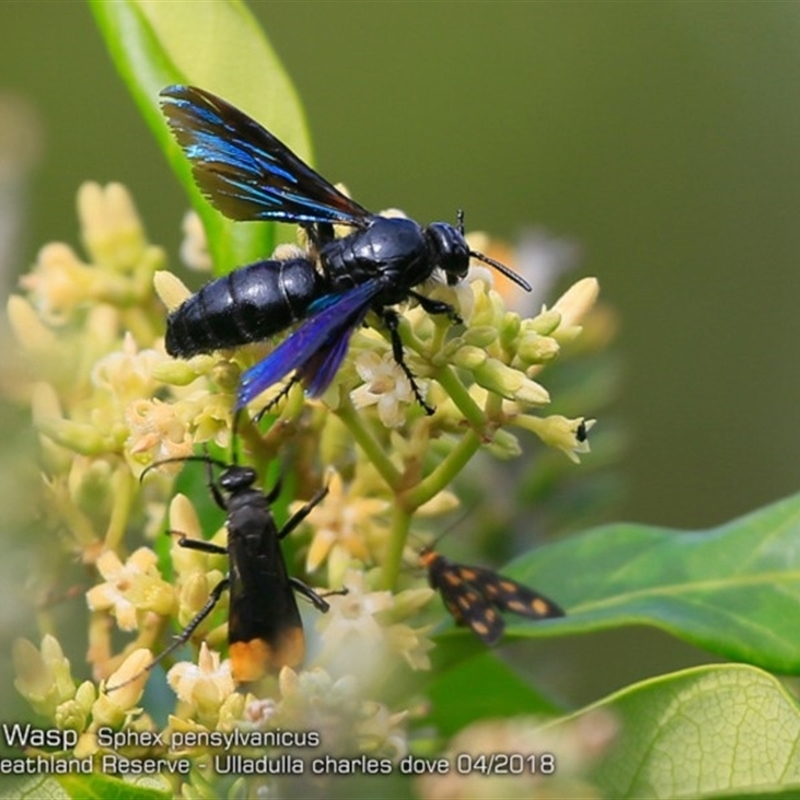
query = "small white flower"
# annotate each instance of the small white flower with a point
(130, 587)
(385, 385)
(206, 684)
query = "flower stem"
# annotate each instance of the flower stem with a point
(401, 522)
(461, 397)
(123, 484)
(363, 436)
(447, 470)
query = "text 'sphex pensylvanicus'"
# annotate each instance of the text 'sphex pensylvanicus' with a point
(265, 632)
(472, 595)
(248, 174)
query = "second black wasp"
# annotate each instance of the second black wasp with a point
(265, 632)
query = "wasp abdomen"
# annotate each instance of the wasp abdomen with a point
(247, 305)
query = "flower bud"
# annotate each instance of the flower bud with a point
(545, 323)
(171, 289)
(509, 328)
(29, 330)
(481, 336)
(111, 708)
(573, 305)
(71, 716)
(535, 349)
(112, 232)
(470, 358)
(510, 383)
(567, 435)
(44, 677)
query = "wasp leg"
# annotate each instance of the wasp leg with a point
(392, 321)
(184, 635)
(316, 598)
(302, 513)
(198, 544)
(431, 306)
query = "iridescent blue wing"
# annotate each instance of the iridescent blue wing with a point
(318, 372)
(316, 348)
(244, 171)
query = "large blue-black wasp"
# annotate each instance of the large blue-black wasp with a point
(248, 174)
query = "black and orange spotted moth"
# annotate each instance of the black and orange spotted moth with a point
(471, 595)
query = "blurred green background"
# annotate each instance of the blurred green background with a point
(663, 137)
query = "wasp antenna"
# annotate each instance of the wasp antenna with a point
(507, 271)
(237, 416)
(109, 689)
(206, 459)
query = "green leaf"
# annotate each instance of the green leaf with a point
(98, 786)
(734, 590)
(701, 733)
(217, 46)
(33, 787)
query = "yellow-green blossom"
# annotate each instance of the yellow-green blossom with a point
(567, 435)
(573, 306)
(360, 634)
(108, 401)
(43, 676)
(342, 524)
(112, 707)
(347, 724)
(385, 386)
(205, 685)
(131, 588)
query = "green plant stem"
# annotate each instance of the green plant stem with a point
(401, 522)
(375, 452)
(461, 397)
(124, 485)
(441, 477)
(494, 406)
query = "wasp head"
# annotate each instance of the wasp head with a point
(236, 478)
(449, 250)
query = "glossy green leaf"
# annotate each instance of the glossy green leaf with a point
(99, 786)
(33, 787)
(89, 786)
(708, 732)
(733, 590)
(217, 46)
